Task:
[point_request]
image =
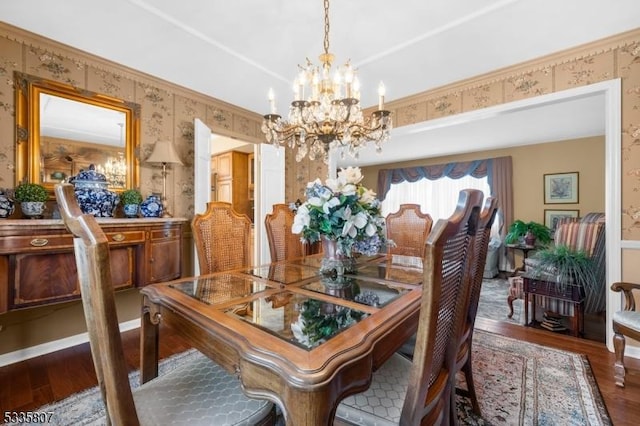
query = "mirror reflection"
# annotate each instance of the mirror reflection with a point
(69, 132)
(63, 130)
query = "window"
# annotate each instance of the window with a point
(436, 197)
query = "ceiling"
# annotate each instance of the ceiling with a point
(235, 51)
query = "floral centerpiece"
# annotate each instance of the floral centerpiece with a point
(344, 212)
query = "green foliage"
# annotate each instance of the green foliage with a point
(26, 192)
(519, 229)
(319, 327)
(131, 196)
(567, 267)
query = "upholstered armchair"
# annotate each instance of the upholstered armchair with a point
(586, 233)
(625, 323)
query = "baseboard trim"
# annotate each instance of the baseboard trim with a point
(56, 345)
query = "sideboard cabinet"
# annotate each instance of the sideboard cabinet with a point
(37, 264)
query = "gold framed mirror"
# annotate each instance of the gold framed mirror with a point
(61, 130)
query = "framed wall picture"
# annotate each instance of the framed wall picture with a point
(561, 188)
(551, 217)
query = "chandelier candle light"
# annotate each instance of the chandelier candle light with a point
(330, 116)
(164, 153)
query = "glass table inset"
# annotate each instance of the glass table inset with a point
(221, 288)
(296, 318)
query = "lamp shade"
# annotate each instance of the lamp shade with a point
(164, 152)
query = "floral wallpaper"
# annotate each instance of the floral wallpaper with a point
(167, 110)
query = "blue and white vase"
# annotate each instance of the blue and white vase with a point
(7, 205)
(151, 207)
(33, 209)
(92, 194)
(130, 210)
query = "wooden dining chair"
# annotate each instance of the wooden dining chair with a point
(423, 386)
(221, 236)
(481, 247)
(198, 391)
(408, 228)
(283, 244)
(626, 322)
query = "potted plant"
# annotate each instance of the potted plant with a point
(131, 199)
(530, 232)
(32, 197)
(565, 267)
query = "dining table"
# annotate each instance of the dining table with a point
(300, 338)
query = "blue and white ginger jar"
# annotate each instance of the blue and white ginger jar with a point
(151, 207)
(7, 205)
(92, 194)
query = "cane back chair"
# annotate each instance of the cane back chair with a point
(481, 243)
(198, 392)
(408, 228)
(221, 236)
(423, 386)
(283, 244)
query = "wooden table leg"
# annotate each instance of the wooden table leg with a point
(580, 325)
(149, 340)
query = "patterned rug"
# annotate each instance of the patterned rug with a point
(493, 302)
(520, 383)
(517, 383)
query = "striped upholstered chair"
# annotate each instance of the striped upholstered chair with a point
(586, 233)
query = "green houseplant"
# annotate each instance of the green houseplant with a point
(31, 197)
(519, 229)
(131, 199)
(30, 192)
(565, 266)
(131, 196)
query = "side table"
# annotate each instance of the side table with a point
(571, 293)
(525, 249)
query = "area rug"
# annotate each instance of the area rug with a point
(517, 383)
(520, 383)
(493, 302)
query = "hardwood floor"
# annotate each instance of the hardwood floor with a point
(29, 384)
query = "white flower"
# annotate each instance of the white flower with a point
(297, 330)
(301, 220)
(349, 189)
(334, 184)
(353, 223)
(351, 175)
(367, 196)
(371, 229)
(315, 201)
(326, 208)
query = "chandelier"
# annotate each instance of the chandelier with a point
(115, 170)
(325, 112)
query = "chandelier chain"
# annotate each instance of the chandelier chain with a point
(326, 27)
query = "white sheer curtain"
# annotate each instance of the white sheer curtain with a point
(436, 197)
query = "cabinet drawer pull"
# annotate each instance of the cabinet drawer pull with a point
(118, 237)
(167, 234)
(39, 242)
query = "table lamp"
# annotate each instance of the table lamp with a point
(164, 153)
